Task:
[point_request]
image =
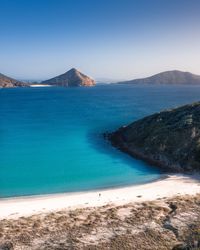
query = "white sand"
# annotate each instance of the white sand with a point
(171, 186)
(39, 85)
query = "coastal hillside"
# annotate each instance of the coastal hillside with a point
(7, 82)
(168, 77)
(170, 139)
(72, 78)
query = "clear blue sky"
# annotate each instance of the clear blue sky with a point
(119, 39)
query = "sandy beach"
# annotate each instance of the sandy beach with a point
(39, 85)
(170, 186)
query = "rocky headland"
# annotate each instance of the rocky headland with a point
(174, 77)
(72, 78)
(169, 139)
(7, 82)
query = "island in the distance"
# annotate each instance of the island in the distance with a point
(169, 139)
(8, 82)
(173, 77)
(72, 78)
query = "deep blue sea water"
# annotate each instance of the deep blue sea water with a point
(51, 138)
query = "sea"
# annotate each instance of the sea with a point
(51, 139)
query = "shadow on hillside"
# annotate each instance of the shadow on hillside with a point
(101, 144)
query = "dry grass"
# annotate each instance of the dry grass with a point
(162, 224)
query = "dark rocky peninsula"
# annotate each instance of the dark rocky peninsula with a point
(174, 77)
(7, 82)
(72, 78)
(169, 139)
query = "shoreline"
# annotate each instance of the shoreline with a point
(116, 139)
(173, 185)
(97, 189)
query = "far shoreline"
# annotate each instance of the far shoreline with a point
(39, 85)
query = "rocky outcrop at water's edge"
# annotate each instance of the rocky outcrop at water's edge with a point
(169, 139)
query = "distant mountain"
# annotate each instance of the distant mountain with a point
(168, 77)
(7, 82)
(104, 80)
(72, 78)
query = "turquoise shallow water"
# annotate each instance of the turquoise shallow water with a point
(51, 138)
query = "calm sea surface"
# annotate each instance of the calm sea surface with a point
(51, 138)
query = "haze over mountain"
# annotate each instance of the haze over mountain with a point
(103, 80)
(8, 82)
(167, 77)
(72, 78)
